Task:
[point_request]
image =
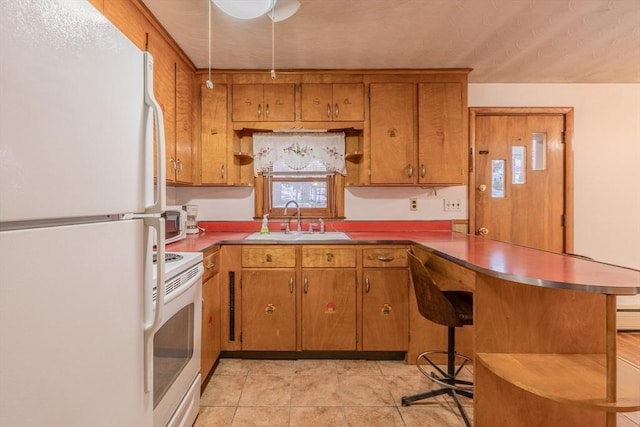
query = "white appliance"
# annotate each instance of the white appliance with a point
(192, 219)
(78, 212)
(176, 343)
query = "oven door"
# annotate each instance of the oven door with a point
(176, 348)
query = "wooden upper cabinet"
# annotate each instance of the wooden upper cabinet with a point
(213, 149)
(184, 124)
(442, 145)
(164, 88)
(393, 133)
(263, 102)
(332, 102)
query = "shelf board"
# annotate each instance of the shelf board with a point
(354, 156)
(243, 156)
(575, 379)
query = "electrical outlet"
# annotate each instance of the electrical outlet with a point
(413, 204)
(452, 205)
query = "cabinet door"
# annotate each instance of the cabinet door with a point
(164, 87)
(385, 310)
(393, 142)
(316, 102)
(348, 101)
(329, 309)
(247, 102)
(268, 309)
(210, 325)
(442, 146)
(184, 124)
(279, 103)
(214, 134)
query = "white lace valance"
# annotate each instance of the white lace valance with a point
(299, 151)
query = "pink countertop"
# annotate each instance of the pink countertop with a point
(498, 259)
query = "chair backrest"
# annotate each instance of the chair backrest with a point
(432, 304)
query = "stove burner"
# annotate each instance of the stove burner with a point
(168, 257)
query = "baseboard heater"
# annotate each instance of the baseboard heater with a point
(628, 318)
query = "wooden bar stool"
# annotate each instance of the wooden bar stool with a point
(453, 309)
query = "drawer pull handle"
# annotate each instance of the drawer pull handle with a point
(269, 258)
(367, 285)
(211, 265)
(329, 256)
(385, 258)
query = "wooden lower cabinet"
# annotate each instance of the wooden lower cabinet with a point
(385, 310)
(268, 309)
(329, 309)
(210, 342)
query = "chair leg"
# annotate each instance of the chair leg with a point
(448, 379)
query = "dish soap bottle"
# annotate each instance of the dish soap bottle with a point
(265, 225)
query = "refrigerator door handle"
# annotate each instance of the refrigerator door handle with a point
(153, 315)
(158, 205)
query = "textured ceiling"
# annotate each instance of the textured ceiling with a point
(579, 41)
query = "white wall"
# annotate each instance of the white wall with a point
(607, 172)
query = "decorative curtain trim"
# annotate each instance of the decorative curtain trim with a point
(298, 151)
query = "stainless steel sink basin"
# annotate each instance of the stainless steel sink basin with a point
(280, 236)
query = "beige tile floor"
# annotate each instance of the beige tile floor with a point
(319, 393)
(306, 392)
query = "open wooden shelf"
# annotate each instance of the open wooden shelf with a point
(243, 156)
(354, 156)
(576, 379)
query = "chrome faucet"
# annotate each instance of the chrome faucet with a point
(298, 224)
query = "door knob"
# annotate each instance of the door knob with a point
(483, 231)
(482, 187)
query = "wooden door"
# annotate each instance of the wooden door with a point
(184, 123)
(268, 309)
(316, 102)
(214, 134)
(385, 310)
(442, 146)
(520, 175)
(329, 309)
(279, 102)
(247, 102)
(348, 101)
(393, 133)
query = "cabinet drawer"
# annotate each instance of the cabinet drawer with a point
(384, 257)
(269, 256)
(328, 256)
(211, 264)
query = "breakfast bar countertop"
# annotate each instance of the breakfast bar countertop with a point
(498, 259)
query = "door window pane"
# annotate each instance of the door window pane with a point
(518, 165)
(538, 151)
(497, 178)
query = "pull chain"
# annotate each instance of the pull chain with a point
(273, 41)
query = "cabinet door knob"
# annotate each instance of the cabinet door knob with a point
(259, 110)
(329, 256)
(306, 285)
(482, 187)
(291, 285)
(266, 111)
(367, 285)
(328, 111)
(483, 231)
(410, 171)
(269, 258)
(211, 265)
(423, 171)
(336, 110)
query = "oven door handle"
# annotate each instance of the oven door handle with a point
(153, 320)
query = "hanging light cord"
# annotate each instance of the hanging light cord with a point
(209, 82)
(273, 41)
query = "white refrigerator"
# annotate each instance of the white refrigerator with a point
(78, 210)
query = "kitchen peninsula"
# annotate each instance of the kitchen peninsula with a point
(544, 331)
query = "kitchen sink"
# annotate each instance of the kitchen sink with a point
(280, 236)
